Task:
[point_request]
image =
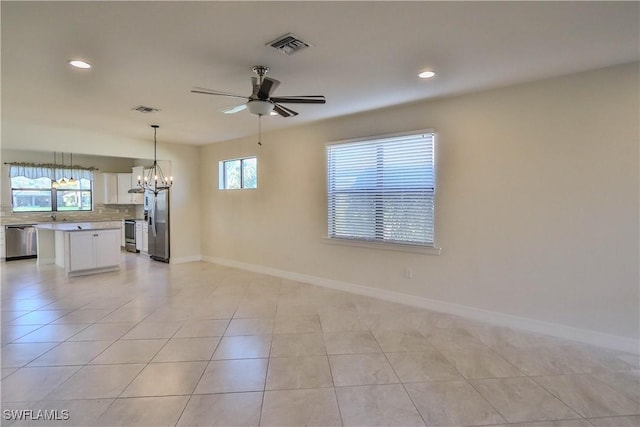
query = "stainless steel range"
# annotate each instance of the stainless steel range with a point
(130, 235)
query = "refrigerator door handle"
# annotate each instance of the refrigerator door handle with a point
(152, 217)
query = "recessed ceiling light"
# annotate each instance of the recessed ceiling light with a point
(79, 64)
(426, 74)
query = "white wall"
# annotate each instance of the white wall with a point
(537, 202)
(185, 201)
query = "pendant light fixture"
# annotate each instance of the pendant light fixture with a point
(62, 181)
(155, 180)
(71, 180)
(54, 183)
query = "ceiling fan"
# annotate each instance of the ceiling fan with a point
(260, 102)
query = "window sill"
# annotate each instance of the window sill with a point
(416, 249)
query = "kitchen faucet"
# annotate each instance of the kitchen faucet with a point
(53, 216)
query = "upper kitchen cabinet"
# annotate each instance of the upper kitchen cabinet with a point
(137, 198)
(110, 188)
(117, 186)
(124, 185)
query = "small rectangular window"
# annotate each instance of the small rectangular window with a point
(238, 173)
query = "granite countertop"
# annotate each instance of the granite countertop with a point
(14, 221)
(77, 226)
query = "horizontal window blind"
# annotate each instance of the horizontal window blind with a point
(382, 189)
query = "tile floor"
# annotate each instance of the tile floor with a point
(203, 345)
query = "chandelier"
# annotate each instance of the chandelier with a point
(154, 179)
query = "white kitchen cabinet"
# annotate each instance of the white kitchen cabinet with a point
(110, 188)
(3, 246)
(137, 198)
(139, 235)
(145, 238)
(124, 185)
(81, 250)
(116, 189)
(137, 171)
(107, 248)
(92, 250)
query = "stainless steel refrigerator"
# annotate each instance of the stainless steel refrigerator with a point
(158, 219)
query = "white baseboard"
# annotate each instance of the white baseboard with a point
(501, 319)
(185, 259)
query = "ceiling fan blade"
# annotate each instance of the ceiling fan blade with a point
(280, 111)
(236, 109)
(215, 92)
(268, 85)
(311, 99)
(284, 111)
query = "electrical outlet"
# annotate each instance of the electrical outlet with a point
(408, 273)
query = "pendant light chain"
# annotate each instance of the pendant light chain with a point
(71, 180)
(62, 181)
(155, 145)
(54, 183)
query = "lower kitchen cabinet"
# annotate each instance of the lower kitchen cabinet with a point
(82, 253)
(145, 238)
(93, 250)
(139, 235)
(3, 247)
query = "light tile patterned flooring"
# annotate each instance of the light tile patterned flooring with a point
(203, 345)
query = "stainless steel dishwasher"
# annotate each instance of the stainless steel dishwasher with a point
(20, 241)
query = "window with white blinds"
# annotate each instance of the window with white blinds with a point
(383, 189)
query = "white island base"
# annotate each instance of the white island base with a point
(80, 248)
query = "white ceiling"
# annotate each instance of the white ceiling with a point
(365, 55)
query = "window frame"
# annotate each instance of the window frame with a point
(222, 173)
(54, 197)
(379, 242)
(54, 194)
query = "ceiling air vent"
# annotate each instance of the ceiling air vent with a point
(289, 44)
(145, 110)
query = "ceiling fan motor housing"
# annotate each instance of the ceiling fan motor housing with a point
(260, 70)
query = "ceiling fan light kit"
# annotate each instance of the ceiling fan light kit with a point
(260, 107)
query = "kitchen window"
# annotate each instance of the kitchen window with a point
(382, 189)
(237, 174)
(32, 192)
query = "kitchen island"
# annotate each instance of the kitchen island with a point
(80, 247)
